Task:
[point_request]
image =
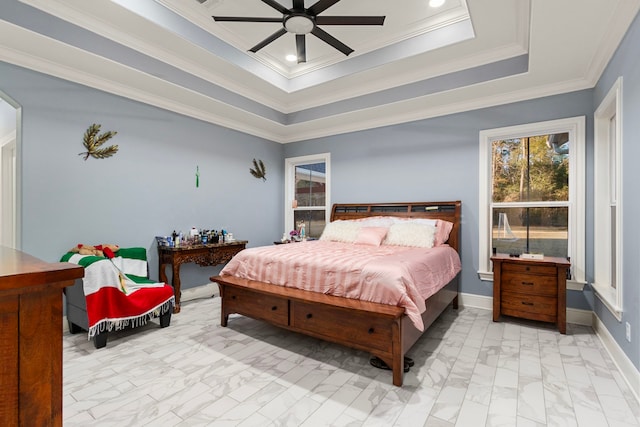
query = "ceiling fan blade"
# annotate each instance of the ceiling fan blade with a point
(329, 39)
(277, 6)
(321, 6)
(244, 19)
(281, 32)
(350, 20)
(301, 48)
(298, 5)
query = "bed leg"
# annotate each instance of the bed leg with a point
(223, 320)
(455, 303)
(398, 370)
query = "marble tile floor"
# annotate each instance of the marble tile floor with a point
(469, 371)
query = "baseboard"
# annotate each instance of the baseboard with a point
(629, 372)
(574, 315)
(204, 291)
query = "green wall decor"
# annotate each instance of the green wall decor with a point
(258, 170)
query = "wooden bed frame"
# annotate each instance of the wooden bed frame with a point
(380, 329)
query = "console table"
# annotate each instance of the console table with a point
(31, 338)
(203, 255)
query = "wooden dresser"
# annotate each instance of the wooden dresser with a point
(530, 289)
(31, 338)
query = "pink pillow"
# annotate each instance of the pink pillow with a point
(372, 236)
(443, 228)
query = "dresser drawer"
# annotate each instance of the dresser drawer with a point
(256, 305)
(533, 307)
(544, 270)
(356, 328)
(530, 284)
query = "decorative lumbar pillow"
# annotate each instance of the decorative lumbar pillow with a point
(341, 231)
(372, 236)
(410, 234)
(443, 229)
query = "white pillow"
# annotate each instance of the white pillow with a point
(410, 234)
(377, 221)
(341, 231)
(425, 221)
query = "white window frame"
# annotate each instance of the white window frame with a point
(290, 182)
(575, 126)
(609, 110)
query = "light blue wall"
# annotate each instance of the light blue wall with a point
(148, 187)
(626, 63)
(436, 159)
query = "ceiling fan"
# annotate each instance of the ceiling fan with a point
(301, 21)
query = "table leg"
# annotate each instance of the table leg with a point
(176, 286)
(162, 274)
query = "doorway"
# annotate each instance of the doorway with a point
(9, 195)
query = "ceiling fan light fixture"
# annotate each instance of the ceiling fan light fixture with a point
(436, 3)
(299, 24)
(291, 58)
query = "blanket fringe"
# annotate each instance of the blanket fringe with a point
(108, 325)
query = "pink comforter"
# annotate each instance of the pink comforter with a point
(395, 275)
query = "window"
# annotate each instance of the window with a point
(607, 201)
(532, 193)
(307, 193)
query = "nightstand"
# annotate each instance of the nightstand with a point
(531, 289)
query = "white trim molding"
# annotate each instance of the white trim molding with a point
(575, 126)
(607, 227)
(629, 372)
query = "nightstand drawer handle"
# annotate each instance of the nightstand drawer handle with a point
(309, 316)
(527, 283)
(274, 308)
(371, 330)
(527, 303)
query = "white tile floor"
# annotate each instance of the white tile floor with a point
(468, 371)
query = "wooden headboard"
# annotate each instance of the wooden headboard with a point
(447, 211)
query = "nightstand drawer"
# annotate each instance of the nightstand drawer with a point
(529, 306)
(544, 270)
(529, 284)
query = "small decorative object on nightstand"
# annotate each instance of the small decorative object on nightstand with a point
(531, 288)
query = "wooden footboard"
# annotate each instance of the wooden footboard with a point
(380, 329)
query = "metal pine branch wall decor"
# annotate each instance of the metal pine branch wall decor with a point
(92, 142)
(258, 170)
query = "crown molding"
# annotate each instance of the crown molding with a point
(626, 11)
(208, 109)
(417, 109)
(224, 115)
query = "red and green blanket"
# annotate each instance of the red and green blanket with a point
(118, 292)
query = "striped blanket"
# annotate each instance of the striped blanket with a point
(118, 292)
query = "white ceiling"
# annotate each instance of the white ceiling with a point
(421, 63)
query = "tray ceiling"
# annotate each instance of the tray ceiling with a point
(423, 62)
